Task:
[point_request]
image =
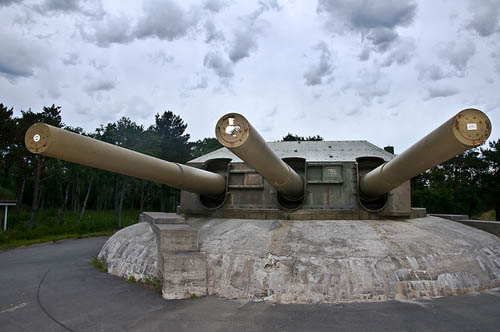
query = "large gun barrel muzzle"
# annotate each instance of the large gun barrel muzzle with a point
(237, 134)
(466, 130)
(54, 142)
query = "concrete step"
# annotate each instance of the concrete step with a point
(162, 218)
(184, 274)
(176, 237)
(183, 267)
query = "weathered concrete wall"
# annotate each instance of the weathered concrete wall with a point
(132, 251)
(341, 261)
(332, 261)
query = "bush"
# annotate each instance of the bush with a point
(46, 229)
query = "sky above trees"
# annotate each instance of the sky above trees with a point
(384, 71)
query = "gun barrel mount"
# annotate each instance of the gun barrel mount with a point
(469, 128)
(236, 133)
(54, 142)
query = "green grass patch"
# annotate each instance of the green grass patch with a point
(153, 283)
(488, 215)
(46, 229)
(194, 296)
(50, 238)
(100, 264)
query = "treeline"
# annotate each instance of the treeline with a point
(48, 183)
(467, 184)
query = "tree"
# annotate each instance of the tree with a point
(455, 186)
(171, 140)
(7, 134)
(202, 147)
(491, 183)
(292, 137)
(170, 143)
(50, 115)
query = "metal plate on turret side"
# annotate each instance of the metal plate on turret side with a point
(312, 151)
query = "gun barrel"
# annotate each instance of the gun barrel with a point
(469, 128)
(237, 134)
(54, 142)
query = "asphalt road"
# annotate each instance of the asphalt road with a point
(54, 287)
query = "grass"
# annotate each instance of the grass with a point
(153, 283)
(488, 215)
(46, 229)
(100, 264)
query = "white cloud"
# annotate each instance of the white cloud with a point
(431, 72)
(377, 21)
(321, 70)
(111, 30)
(165, 19)
(20, 57)
(458, 54)
(485, 17)
(221, 67)
(5, 3)
(101, 84)
(71, 59)
(378, 62)
(440, 91)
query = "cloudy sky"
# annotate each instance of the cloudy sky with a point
(383, 71)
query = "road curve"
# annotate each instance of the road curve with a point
(54, 287)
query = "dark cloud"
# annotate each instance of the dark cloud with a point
(458, 55)
(96, 65)
(245, 37)
(5, 3)
(361, 15)
(382, 38)
(214, 6)
(111, 30)
(496, 60)
(61, 5)
(166, 20)
(220, 66)
(365, 54)
(211, 33)
(88, 8)
(316, 73)
(244, 42)
(485, 17)
(19, 58)
(102, 84)
(401, 54)
(440, 91)
(71, 59)
(376, 21)
(431, 73)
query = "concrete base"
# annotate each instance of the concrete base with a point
(185, 275)
(132, 252)
(341, 260)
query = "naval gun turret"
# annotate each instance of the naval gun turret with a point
(250, 178)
